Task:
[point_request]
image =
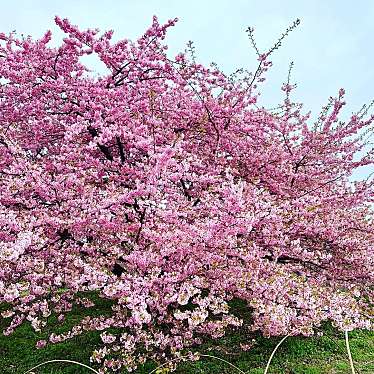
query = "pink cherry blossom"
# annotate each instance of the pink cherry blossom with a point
(162, 186)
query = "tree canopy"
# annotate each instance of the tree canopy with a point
(163, 186)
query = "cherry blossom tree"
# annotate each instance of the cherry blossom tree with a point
(164, 187)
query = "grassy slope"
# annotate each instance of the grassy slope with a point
(297, 355)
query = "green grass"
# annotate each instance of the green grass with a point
(297, 355)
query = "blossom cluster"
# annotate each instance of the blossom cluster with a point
(163, 187)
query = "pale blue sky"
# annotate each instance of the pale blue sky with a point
(331, 48)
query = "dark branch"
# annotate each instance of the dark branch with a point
(121, 151)
(103, 148)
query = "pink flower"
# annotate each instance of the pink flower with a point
(41, 344)
(107, 338)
